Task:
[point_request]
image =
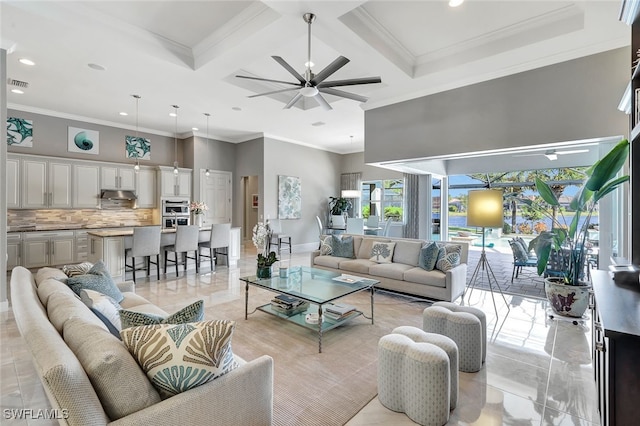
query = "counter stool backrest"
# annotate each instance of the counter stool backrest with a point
(187, 238)
(146, 241)
(220, 235)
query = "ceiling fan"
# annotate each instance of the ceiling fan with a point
(314, 85)
(552, 154)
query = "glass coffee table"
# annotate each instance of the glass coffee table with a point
(318, 289)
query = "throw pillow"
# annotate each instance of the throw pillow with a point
(192, 313)
(180, 357)
(447, 261)
(79, 269)
(342, 247)
(519, 253)
(108, 308)
(429, 256)
(451, 248)
(382, 252)
(325, 245)
(97, 279)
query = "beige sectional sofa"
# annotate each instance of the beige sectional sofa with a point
(403, 274)
(91, 379)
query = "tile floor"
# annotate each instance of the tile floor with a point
(538, 371)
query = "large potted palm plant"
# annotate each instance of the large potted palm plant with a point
(568, 292)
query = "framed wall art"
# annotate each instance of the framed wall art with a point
(19, 132)
(83, 140)
(137, 147)
(289, 197)
(254, 201)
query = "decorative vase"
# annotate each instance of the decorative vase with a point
(199, 219)
(263, 272)
(567, 300)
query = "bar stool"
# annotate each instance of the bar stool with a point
(219, 238)
(146, 243)
(186, 241)
(277, 237)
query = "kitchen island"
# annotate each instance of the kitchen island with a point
(110, 245)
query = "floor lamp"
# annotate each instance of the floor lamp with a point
(485, 209)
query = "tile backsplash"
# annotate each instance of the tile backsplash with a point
(85, 218)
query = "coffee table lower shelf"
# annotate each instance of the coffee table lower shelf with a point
(299, 318)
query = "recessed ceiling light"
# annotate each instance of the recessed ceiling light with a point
(455, 3)
(236, 108)
(173, 114)
(96, 67)
(318, 123)
(18, 91)
(123, 113)
(195, 129)
(26, 61)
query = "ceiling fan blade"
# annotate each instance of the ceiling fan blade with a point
(273, 91)
(334, 66)
(293, 100)
(322, 102)
(350, 82)
(269, 80)
(336, 92)
(289, 68)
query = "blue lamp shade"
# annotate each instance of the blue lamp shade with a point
(485, 208)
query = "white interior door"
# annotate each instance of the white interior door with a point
(215, 190)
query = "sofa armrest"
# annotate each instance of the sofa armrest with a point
(129, 286)
(456, 279)
(314, 254)
(242, 397)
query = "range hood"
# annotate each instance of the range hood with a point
(113, 194)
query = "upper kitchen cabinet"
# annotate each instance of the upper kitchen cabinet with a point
(45, 183)
(86, 178)
(114, 177)
(175, 184)
(13, 182)
(146, 188)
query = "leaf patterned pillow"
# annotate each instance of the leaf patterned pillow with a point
(192, 313)
(325, 245)
(179, 357)
(382, 252)
(447, 260)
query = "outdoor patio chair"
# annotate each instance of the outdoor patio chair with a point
(521, 258)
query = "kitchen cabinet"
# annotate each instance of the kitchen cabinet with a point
(47, 248)
(111, 251)
(86, 192)
(115, 177)
(14, 257)
(146, 189)
(45, 183)
(81, 246)
(175, 184)
(13, 182)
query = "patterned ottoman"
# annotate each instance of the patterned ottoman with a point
(418, 375)
(466, 326)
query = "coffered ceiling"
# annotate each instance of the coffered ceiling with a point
(188, 53)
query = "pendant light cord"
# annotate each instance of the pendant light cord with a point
(206, 147)
(175, 141)
(137, 165)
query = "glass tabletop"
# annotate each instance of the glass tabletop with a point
(312, 284)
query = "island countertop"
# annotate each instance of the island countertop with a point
(127, 232)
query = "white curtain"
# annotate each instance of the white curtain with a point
(411, 213)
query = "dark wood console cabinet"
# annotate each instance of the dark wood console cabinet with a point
(616, 349)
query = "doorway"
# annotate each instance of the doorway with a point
(251, 205)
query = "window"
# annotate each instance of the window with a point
(384, 198)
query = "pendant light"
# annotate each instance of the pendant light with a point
(136, 168)
(206, 147)
(175, 141)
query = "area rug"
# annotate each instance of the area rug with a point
(312, 388)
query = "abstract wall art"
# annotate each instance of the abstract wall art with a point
(289, 197)
(137, 147)
(84, 141)
(19, 132)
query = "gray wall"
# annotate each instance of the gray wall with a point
(353, 163)
(569, 101)
(248, 162)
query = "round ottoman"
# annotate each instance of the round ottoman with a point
(464, 325)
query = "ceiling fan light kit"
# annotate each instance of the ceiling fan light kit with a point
(314, 85)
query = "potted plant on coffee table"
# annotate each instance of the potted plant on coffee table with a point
(568, 292)
(261, 238)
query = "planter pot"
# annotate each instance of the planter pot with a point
(263, 272)
(567, 300)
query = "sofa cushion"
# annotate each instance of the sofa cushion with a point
(180, 357)
(342, 246)
(418, 275)
(117, 378)
(77, 269)
(360, 266)
(62, 307)
(407, 252)
(325, 245)
(429, 256)
(389, 270)
(45, 273)
(329, 261)
(98, 279)
(382, 252)
(364, 251)
(49, 286)
(108, 308)
(191, 313)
